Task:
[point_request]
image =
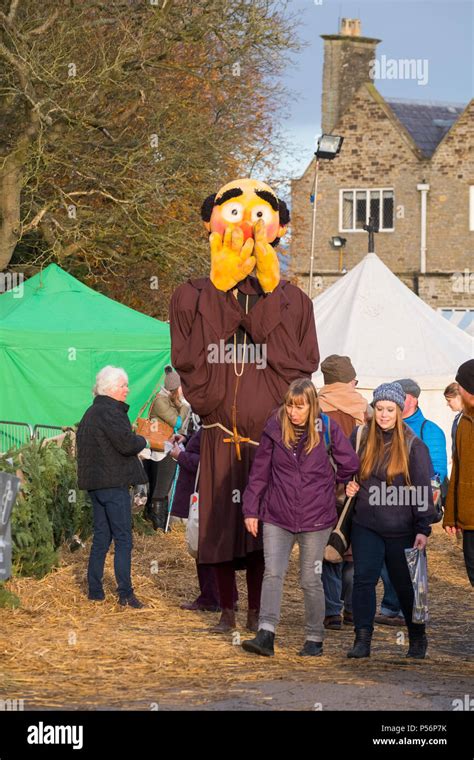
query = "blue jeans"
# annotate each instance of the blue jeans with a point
(337, 582)
(112, 519)
(369, 550)
(390, 605)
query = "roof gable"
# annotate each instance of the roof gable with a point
(426, 122)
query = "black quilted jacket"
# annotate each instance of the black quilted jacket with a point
(107, 447)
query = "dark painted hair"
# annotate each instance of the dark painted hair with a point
(210, 202)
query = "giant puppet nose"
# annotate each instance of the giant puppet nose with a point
(247, 229)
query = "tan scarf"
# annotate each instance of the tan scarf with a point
(342, 397)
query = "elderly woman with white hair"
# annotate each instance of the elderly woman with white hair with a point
(108, 465)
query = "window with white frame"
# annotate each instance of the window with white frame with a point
(357, 206)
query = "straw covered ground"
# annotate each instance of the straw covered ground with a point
(60, 651)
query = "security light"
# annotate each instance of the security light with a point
(328, 146)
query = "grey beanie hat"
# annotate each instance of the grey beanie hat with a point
(390, 392)
(172, 379)
(410, 386)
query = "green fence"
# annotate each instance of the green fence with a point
(14, 435)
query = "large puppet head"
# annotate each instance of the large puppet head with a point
(243, 202)
(245, 220)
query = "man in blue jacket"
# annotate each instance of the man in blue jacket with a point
(431, 434)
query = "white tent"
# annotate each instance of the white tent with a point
(390, 333)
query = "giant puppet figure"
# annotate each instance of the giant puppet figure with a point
(237, 341)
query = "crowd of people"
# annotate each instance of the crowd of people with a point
(317, 450)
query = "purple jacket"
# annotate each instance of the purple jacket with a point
(188, 463)
(296, 491)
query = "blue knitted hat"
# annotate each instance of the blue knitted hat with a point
(390, 392)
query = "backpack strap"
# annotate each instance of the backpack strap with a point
(422, 427)
(327, 430)
(327, 439)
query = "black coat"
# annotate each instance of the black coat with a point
(395, 512)
(107, 447)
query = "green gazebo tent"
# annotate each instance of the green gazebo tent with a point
(56, 334)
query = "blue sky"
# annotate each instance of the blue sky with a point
(439, 31)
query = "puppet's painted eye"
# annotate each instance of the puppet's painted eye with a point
(262, 212)
(233, 212)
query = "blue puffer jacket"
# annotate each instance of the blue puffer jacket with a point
(434, 438)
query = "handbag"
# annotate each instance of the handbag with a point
(154, 430)
(192, 526)
(339, 540)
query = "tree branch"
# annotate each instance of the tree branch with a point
(44, 27)
(13, 9)
(95, 192)
(35, 221)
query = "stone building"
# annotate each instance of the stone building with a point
(410, 164)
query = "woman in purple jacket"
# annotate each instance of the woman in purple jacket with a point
(291, 490)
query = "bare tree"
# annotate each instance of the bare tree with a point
(119, 118)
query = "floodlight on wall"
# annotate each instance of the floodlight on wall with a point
(329, 146)
(327, 149)
(338, 244)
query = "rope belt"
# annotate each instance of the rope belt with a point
(235, 438)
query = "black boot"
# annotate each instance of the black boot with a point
(361, 647)
(418, 645)
(261, 644)
(311, 649)
(131, 601)
(159, 513)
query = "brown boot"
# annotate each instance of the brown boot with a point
(225, 624)
(252, 621)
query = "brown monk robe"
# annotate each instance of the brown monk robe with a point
(282, 325)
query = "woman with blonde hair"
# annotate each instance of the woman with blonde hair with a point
(393, 512)
(291, 490)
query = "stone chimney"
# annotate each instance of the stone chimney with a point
(347, 58)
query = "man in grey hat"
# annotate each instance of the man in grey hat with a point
(435, 439)
(429, 432)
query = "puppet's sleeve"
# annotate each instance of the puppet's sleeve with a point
(199, 320)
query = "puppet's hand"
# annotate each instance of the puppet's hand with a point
(268, 266)
(231, 259)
